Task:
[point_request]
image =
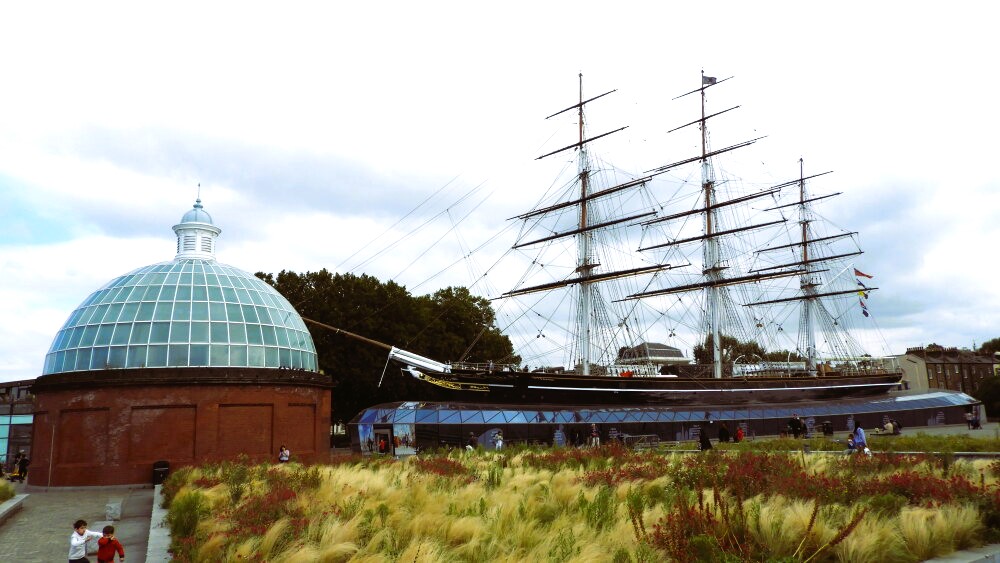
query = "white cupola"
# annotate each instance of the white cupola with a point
(196, 234)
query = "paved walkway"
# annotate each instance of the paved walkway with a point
(39, 532)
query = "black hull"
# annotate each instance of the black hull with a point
(568, 389)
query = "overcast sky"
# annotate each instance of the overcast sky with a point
(314, 128)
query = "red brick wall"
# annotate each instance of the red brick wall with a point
(112, 435)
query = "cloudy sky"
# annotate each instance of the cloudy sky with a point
(321, 134)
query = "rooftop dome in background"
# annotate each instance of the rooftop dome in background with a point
(189, 312)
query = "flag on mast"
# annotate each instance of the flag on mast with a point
(707, 80)
(861, 274)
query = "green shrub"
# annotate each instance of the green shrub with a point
(6, 491)
(185, 513)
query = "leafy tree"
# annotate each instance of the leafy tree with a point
(732, 349)
(451, 324)
(990, 347)
(988, 392)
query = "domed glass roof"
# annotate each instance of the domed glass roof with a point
(185, 313)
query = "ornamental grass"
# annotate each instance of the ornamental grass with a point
(599, 504)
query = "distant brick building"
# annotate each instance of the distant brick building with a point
(183, 362)
(15, 419)
(936, 367)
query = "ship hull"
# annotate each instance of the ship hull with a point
(602, 390)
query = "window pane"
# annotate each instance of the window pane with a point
(183, 293)
(199, 355)
(214, 293)
(254, 335)
(217, 311)
(116, 358)
(237, 355)
(250, 314)
(99, 358)
(182, 311)
(104, 334)
(237, 333)
(128, 312)
(199, 333)
(178, 355)
(145, 311)
(180, 331)
(256, 357)
(140, 333)
(163, 311)
(156, 357)
(136, 356)
(269, 337)
(199, 311)
(219, 355)
(235, 313)
(167, 293)
(271, 357)
(159, 334)
(121, 333)
(113, 311)
(220, 332)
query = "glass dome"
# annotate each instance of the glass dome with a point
(190, 312)
(181, 314)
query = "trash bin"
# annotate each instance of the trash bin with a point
(827, 428)
(160, 471)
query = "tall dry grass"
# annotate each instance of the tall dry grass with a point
(398, 512)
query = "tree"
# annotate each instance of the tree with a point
(990, 347)
(988, 392)
(732, 349)
(452, 324)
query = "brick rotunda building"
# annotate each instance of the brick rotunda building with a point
(185, 362)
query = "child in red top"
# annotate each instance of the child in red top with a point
(108, 545)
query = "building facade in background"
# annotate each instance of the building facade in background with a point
(16, 409)
(937, 367)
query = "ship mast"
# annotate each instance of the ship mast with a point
(807, 281)
(584, 267)
(712, 265)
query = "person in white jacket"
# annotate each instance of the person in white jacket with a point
(78, 541)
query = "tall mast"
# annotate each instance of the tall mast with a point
(583, 265)
(807, 281)
(710, 256)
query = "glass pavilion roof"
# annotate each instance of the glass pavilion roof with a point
(455, 413)
(192, 311)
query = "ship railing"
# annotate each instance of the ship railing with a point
(485, 366)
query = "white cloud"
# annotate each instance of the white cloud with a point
(329, 122)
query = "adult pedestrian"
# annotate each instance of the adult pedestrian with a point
(795, 425)
(704, 443)
(22, 467)
(723, 432)
(859, 439)
(595, 436)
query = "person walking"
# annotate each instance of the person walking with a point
(859, 439)
(22, 467)
(704, 443)
(108, 545)
(795, 425)
(595, 436)
(78, 542)
(723, 432)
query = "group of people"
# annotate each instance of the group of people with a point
(972, 419)
(705, 442)
(107, 544)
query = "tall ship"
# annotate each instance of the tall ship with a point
(764, 291)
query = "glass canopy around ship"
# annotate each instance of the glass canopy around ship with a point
(190, 312)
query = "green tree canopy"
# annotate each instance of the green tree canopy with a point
(450, 325)
(990, 347)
